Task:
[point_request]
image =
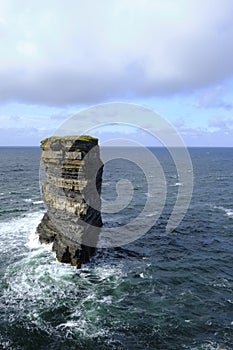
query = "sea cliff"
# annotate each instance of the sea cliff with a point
(71, 193)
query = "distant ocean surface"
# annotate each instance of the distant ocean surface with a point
(163, 291)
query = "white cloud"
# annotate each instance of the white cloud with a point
(214, 98)
(179, 123)
(221, 123)
(58, 53)
(14, 136)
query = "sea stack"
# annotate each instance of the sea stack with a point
(71, 192)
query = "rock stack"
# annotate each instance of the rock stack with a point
(71, 193)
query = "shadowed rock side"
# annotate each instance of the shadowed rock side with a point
(71, 192)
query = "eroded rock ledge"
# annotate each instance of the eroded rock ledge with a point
(71, 192)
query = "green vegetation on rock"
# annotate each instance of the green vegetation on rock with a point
(86, 138)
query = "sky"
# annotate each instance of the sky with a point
(58, 57)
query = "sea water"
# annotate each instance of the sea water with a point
(162, 291)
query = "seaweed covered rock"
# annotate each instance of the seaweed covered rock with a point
(71, 193)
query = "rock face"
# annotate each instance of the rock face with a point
(72, 194)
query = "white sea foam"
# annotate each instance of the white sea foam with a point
(16, 232)
(27, 200)
(36, 281)
(177, 184)
(151, 214)
(33, 242)
(209, 345)
(149, 195)
(37, 202)
(83, 327)
(227, 211)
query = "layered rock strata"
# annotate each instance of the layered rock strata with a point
(71, 193)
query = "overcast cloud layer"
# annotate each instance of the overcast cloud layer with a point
(72, 52)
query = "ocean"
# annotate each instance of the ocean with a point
(165, 291)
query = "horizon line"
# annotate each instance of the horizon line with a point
(150, 146)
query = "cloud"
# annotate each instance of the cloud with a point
(179, 123)
(9, 121)
(22, 136)
(62, 116)
(205, 137)
(15, 118)
(60, 53)
(192, 137)
(214, 98)
(221, 123)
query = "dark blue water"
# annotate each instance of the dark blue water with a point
(162, 291)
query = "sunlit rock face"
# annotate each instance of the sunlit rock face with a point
(71, 193)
